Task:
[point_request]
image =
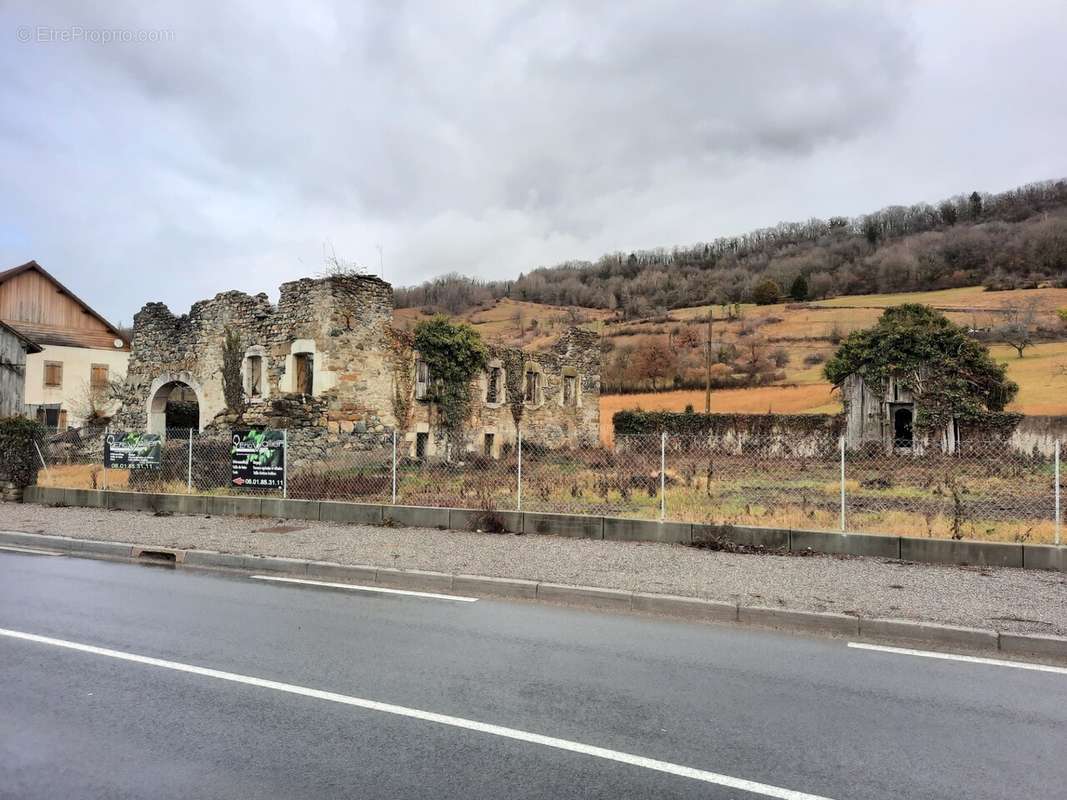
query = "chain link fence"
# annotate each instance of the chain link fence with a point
(983, 490)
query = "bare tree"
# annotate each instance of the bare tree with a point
(1019, 327)
(98, 403)
(334, 266)
(654, 362)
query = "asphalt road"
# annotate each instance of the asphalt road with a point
(787, 713)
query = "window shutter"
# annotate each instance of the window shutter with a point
(98, 376)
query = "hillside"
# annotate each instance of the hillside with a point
(529, 325)
(1013, 239)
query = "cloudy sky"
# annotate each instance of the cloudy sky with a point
(226, 145)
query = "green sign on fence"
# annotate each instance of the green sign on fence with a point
(257, 459)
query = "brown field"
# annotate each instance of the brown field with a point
(1042, 391)
(812, 398)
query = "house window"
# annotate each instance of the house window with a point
(421, 441)
(492, 389)
(305, 372)
(53, 418)
(570, 390)
(98, 377)
(255, 376)
(422, 379)
(532, 391)
(490, 438)
(53, 373)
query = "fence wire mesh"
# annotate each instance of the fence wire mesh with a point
(982, 490)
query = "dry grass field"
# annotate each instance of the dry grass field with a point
(1042, 391)
(812, 398)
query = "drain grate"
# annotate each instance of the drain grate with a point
(157, 556)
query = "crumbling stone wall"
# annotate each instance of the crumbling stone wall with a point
(549, 420)
(344, 324)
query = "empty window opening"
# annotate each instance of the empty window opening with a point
(490, 439)
(902, 435)
(305, 372)
(422, 440)
(255, 376)
(533, 386)
(492, 390)
(570, 390)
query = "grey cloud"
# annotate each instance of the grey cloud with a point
(481, 138)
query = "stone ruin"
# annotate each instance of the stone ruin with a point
(325, 364)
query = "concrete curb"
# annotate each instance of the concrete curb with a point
(783, 540)
(687, 608)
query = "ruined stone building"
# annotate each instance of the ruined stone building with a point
(326, 364)
(887, 416)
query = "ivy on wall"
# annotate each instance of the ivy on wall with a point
(514, 374)
(402, 361)
(233, 390)
(454, 353)
(950, 374)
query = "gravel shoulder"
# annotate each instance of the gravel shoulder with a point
(1005, 599)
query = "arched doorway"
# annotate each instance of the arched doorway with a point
(174, 403)
(902, 434)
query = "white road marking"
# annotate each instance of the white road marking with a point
(716, 778)
(992, 662)
(361, 588)
(16, 549)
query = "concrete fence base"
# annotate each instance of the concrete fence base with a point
(935, 551)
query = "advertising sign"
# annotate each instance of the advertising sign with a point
(133, 450)
(257, 459)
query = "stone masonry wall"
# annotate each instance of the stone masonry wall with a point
(548, 421)
(345, 324)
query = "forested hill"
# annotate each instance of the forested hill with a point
(1015, 239)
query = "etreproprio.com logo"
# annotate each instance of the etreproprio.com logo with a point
(45, 34)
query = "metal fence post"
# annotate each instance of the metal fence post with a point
(394, 466)
(285, 464)
(104, 456)
(518, 481)
(189, 466)
(1057, 492)
(663, 476)
(841, 447)
(40, 455)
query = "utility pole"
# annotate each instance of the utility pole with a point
(707, 364)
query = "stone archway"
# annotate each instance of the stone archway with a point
(160, 393)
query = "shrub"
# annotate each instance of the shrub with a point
(766, 293)
(19, 461)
